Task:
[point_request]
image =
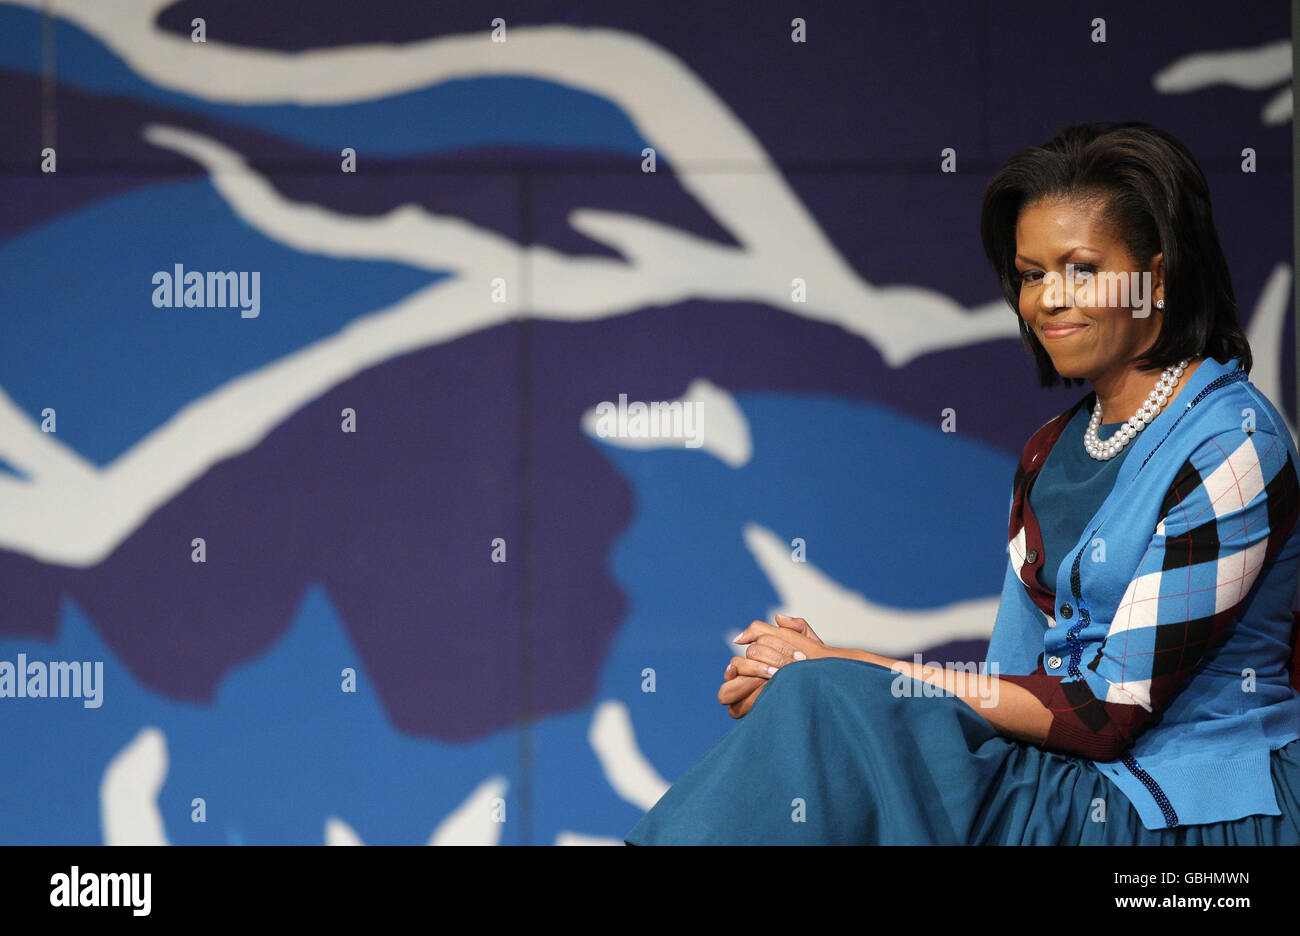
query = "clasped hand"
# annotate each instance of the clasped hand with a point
(768, 649)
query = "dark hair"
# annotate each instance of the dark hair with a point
(1156, 199)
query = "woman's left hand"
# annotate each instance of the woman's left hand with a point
(778, 646)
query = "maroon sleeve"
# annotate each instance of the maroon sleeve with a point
(1083, 725)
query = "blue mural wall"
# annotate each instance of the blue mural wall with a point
(341, 540)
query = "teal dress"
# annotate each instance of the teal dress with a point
(832, 753)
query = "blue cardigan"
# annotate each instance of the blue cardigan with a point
(1163, 650)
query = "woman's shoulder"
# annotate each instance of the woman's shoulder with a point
(1236, 445)
(1232, 409)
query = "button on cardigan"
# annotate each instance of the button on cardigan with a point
(1169, 667)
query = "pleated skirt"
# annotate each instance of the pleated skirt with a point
(833, 754)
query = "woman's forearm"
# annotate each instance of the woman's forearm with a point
(1012, 710)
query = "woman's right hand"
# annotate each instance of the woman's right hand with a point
(745, 679)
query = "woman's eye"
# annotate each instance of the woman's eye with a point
(1030, 276)
(1084, 270)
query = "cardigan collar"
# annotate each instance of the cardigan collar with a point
(1026, 541)
(1026, 546)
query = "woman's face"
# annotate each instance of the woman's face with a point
(1086, 325)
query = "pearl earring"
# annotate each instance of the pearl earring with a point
(1160, 303)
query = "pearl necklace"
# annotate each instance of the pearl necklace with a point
(1155, 401)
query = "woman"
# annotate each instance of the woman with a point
(1137, 688)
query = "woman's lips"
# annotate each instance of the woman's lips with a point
(1061, 331)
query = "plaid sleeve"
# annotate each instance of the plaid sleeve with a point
(1230, 508)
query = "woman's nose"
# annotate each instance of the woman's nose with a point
(1053, 296)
